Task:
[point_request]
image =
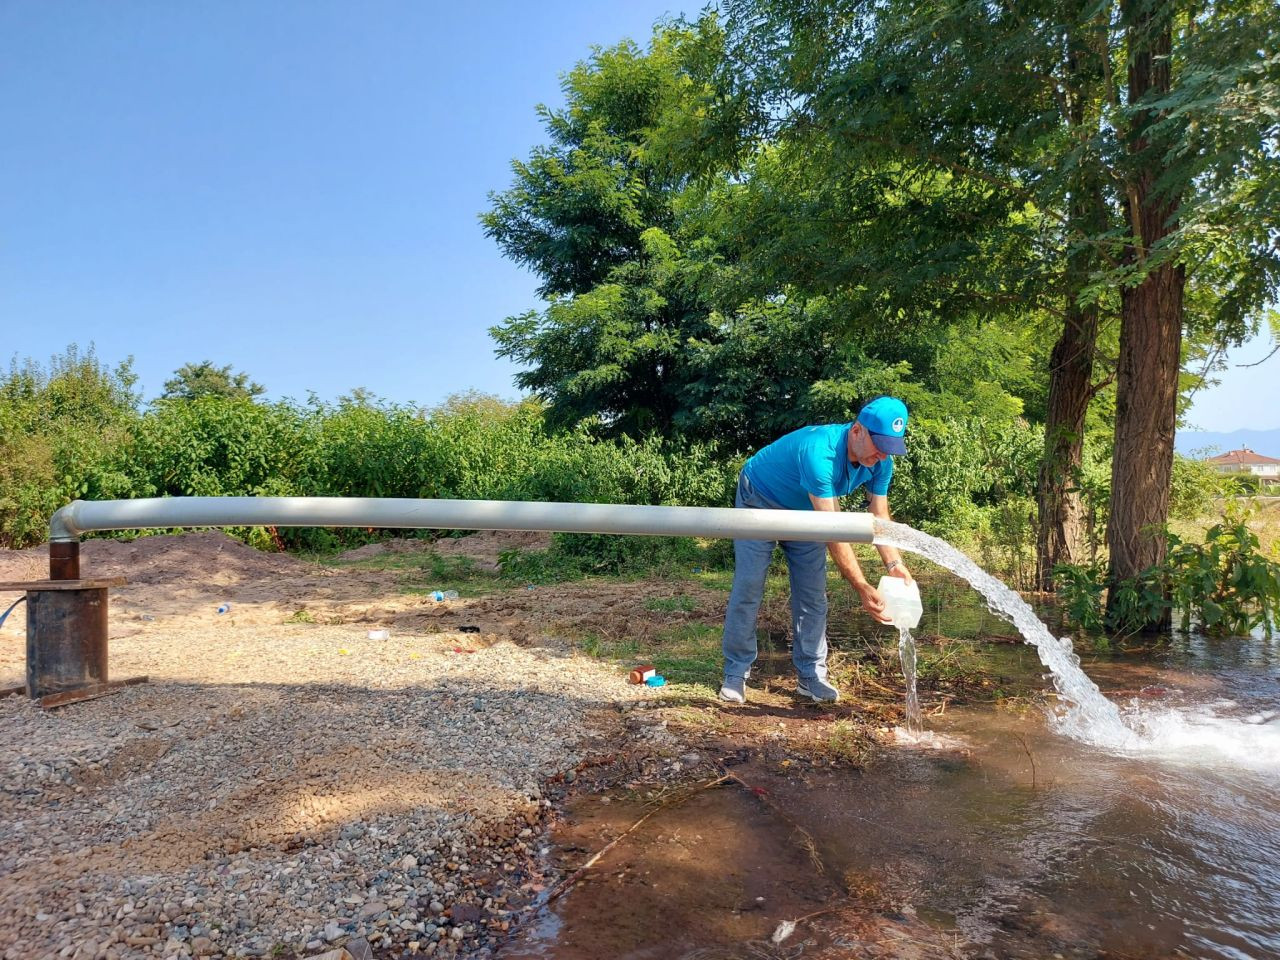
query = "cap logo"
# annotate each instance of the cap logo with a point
(899, 425)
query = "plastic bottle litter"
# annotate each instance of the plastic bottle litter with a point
(441, 595)
(224, 608)
(379, 634)
(656, 681)
(642, 673)
(901, 602)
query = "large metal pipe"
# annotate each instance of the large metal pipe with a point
(740, 524)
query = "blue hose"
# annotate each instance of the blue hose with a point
(4, 616)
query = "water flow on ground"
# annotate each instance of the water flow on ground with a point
(1190, 732)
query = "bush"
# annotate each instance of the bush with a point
(65, 432)
(1194, 487)
(217, 446)
(953, 466)
(1226, 586)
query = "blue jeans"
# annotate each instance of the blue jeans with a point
(807, 567)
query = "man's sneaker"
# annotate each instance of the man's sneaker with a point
(818, 690)
(734, 689)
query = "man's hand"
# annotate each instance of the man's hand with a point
(902, 572)
(872, 602)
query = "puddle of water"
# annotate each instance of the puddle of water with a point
(708, 876)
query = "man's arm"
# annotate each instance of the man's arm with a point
(879, 505)
(847, 563)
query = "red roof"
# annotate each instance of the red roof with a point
(1241, 458)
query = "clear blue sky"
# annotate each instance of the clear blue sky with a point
(289, 187)
(1248, 396)
(292, 187)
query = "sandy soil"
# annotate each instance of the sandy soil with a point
(179, 582)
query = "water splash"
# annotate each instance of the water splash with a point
(1084, 712)
(907, 654)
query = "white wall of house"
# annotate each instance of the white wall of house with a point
(1270, 471)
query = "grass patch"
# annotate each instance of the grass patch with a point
(423, 572)
(677, 604)
(847, 742)
(575, 556)
(688, 655)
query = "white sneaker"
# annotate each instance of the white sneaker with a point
(734, 689)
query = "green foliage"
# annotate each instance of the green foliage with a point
(1225, 586)
(75, 432)
(955, 466)
(65, 432)
(1195, 486)
(192, 381)
(594, 215)
(1082, 592)
(681, 603)
(575, 555)
(220, 446)
(898, 164)
(1093, 604)
(661, 319)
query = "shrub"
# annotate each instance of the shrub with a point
(1225, 585)
(217, 446)
(65, 432)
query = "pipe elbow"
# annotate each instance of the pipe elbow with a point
(62, 525)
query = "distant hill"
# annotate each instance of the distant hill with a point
(1265, 442)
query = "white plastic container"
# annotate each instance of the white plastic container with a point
(901, 601)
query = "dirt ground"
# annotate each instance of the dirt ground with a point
(378, 787)
(286, 785)
(181, 581)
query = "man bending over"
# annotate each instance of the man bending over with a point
(811, 469)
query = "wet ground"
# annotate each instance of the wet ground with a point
(993, 837)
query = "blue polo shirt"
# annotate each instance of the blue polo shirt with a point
(813, 460)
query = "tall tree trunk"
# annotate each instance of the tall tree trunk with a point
(1062, 523)
(1060, 537)
(1151, 318)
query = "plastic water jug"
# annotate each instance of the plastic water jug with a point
(901, 601)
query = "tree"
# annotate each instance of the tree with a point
(668, 312)
(65, 433)
(194, 380)
(594, 218)
(1201, 177)
(1021, 102)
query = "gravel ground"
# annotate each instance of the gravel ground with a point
(280, 790)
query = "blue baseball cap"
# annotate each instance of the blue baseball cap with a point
(886, 420)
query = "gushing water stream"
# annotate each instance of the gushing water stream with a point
(1086, 714)
(1211, 732)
